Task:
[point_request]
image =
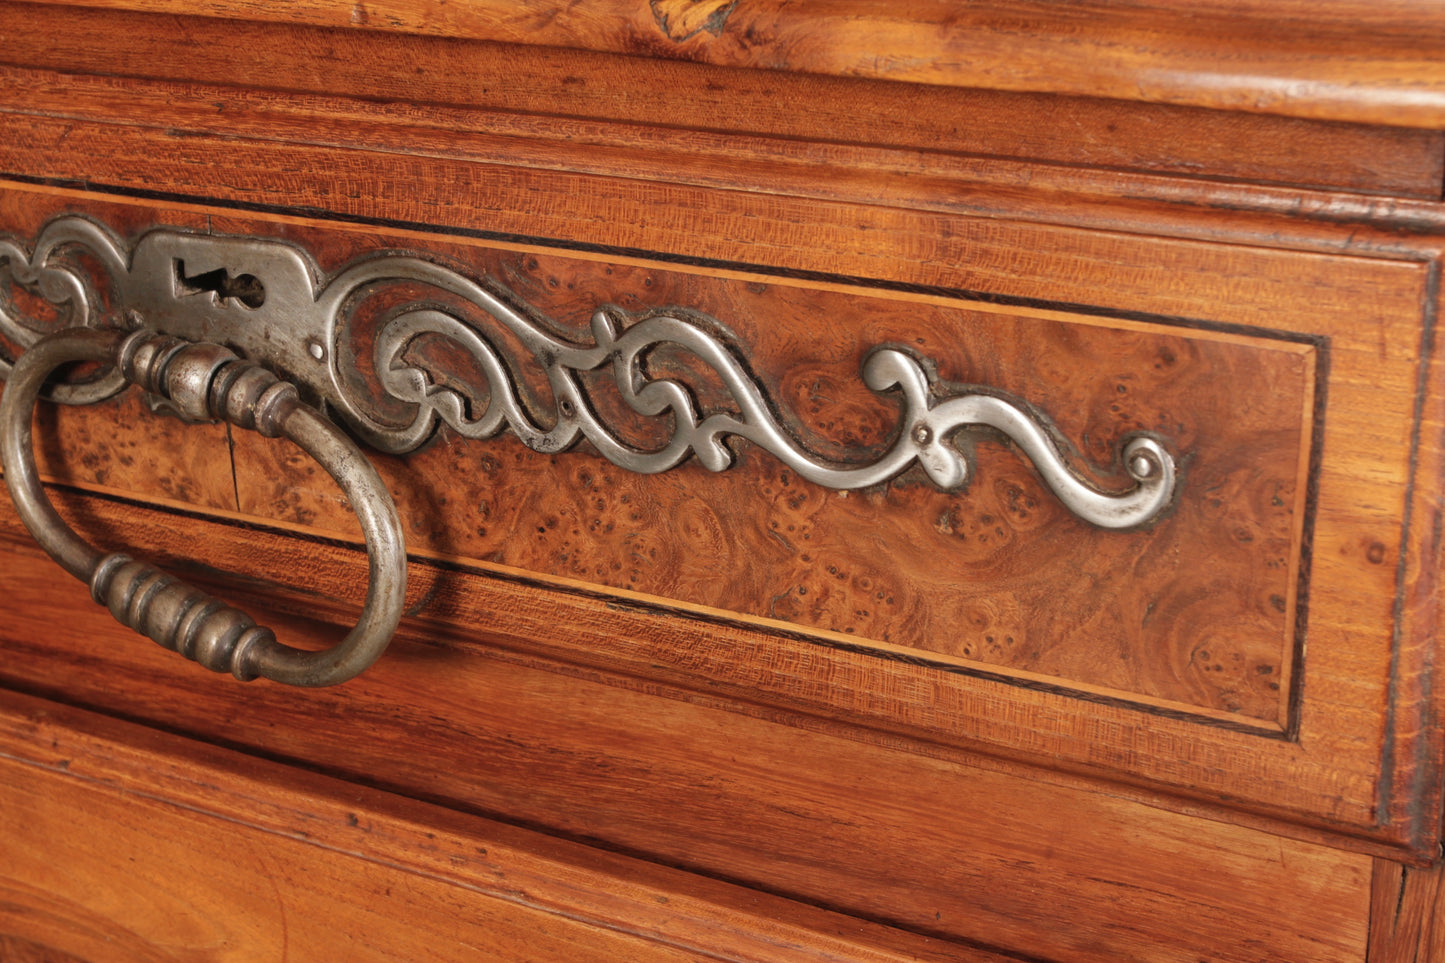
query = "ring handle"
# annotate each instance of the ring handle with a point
(206, 381)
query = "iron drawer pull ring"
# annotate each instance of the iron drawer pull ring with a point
(206, 381)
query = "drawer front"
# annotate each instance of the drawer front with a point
(127, 845)
(970, 852)
(1254, 647)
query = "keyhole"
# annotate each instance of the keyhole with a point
(246, 288)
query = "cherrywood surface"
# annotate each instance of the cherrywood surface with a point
(16, 950)
(1405, 916)
(1191, 200)
(1356, 60)
(124, 844)
(64, 128)
(492, 99)
(782, 802)
(940, 223)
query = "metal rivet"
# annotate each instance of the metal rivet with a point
(922, 434)
(1143, 466)
(316, 349)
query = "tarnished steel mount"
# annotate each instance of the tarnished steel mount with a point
(268, 302)
(180, 617)
(268, 299)
(205, 381)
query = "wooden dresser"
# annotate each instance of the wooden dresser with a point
(927, 481)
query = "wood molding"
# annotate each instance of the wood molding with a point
(1350, 60)
(492, 99)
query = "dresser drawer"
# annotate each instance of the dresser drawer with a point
(1170, 653)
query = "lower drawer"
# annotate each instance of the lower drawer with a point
(123, 845)
(974, 852)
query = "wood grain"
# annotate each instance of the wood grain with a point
(126, 845)
(417, 87)
(1220, 222)
(454, 610)
(456, 175)
(974, 577)
(17, 950)
(966, 245)
(1405, 915)
(1356, 746)
(774, 801)
(1347, 60)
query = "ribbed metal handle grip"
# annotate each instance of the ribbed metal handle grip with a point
(178, 616)
(206, 381)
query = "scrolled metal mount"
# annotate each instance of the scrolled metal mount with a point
(267, 299)
(206, 381)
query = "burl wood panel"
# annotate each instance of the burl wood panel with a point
(999, 574)
(783, 802)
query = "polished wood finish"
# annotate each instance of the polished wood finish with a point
(17, 950)
(124, 844)
(897, 723)
(1406, 922)
(786, 802)
(1208, 680)
(1355, 60)
(513, 102)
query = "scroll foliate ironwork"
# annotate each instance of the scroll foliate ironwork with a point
(267, 300)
